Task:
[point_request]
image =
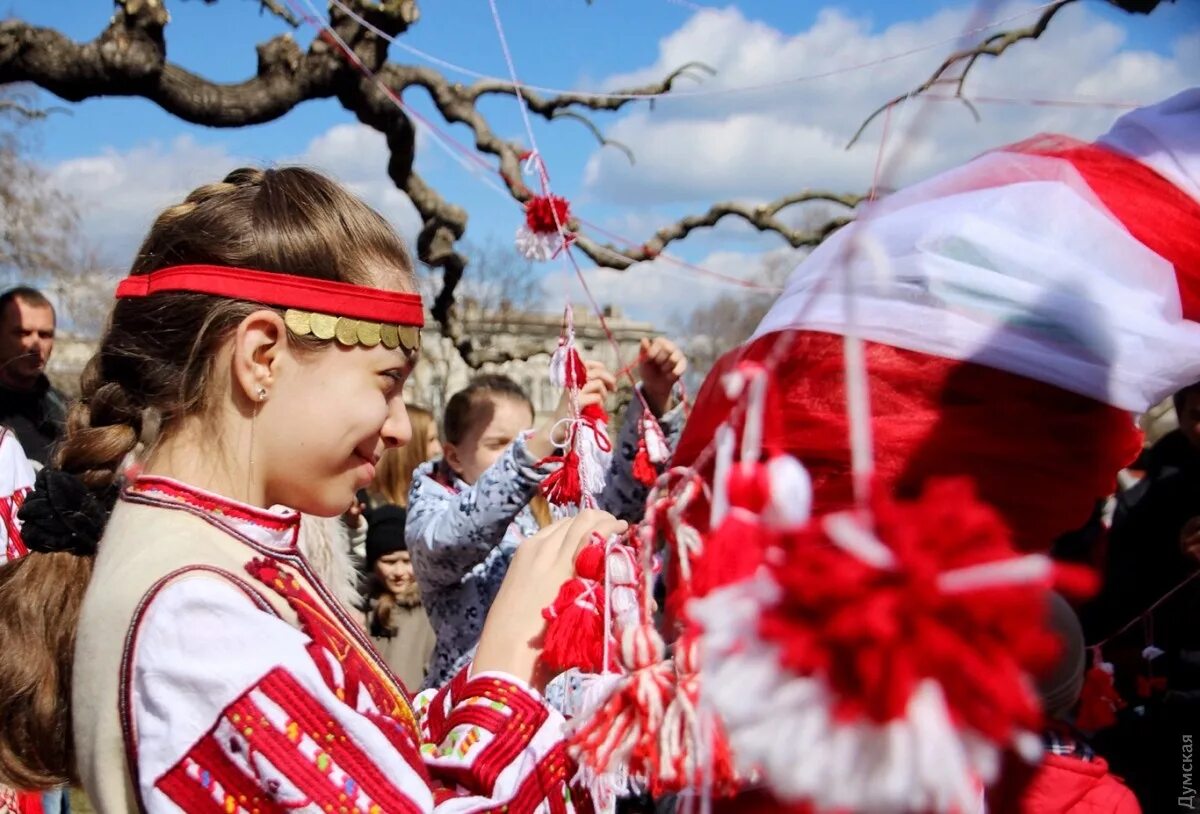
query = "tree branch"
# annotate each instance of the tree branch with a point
(764, 218)
(129, 59)
(610, 100)
(992, 46)
(25, 111)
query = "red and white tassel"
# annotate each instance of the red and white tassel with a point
(544, 233)
(652, 450)
(622, 735)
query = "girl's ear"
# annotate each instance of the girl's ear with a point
(450, 455)
(258, 348)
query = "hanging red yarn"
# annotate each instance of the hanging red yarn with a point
(567, 368)
(693, 749)
(575, 622)
(1099, 701)
(562, 487)
(644, 472)
(914, 623)
(622, 735)
(876, 632)
(546, 213)
(544, 233)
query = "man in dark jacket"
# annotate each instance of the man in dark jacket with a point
(1153, 552)
(29, 406)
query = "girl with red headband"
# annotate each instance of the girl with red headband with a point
(179, 654)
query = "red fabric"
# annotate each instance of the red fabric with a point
(1161, 216)
(1067, 785)
(208, 503)
(362, 668)
(281, 289)
(1041, 455)
(29, 802)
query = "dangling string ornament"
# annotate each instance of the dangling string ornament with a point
(585, 450)
(895, 648)
(591, 610)
(1099, 701)
(652, 450)
(544, 234)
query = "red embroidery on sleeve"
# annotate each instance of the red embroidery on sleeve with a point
(357, 670)
(277, 748)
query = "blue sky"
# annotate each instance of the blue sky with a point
(126, 158)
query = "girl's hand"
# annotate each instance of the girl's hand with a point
(661, 365)
(512, 635)
(599, 384)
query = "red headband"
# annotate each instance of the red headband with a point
(283, 290)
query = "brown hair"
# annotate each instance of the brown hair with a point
(154, 367)
(464, 410)
(394, 477)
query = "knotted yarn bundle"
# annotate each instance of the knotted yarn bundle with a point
(652, 451)
(544, 233)
(592, 609)
(893, 647)
(585, 450)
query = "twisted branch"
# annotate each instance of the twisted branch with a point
(764, 218)
(992, 46)
(128, 58)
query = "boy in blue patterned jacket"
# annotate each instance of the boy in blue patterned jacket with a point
(468, 512)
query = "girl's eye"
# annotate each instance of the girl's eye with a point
(395, 378)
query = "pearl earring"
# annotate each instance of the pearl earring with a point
(262, 393)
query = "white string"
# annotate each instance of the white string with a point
(676, 94)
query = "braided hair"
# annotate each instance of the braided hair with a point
(154, 367)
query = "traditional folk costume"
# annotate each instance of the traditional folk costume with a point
(215, 673)
(16, 479)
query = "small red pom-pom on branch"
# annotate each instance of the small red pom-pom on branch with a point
(545, 231)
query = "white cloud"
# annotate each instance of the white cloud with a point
(764, 143)
(120, 192)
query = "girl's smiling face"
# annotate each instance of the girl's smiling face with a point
(328, 417)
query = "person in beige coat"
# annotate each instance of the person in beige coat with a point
(396, 619)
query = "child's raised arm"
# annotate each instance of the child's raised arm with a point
(661, 366)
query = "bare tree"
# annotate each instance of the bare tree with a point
(727, 321)
(499, 280)
(348, 61)
(954, 69)
(129, 58)
(41, 244)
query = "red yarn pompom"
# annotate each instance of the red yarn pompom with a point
(876, 632)
(643, 470)
(545, 213)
